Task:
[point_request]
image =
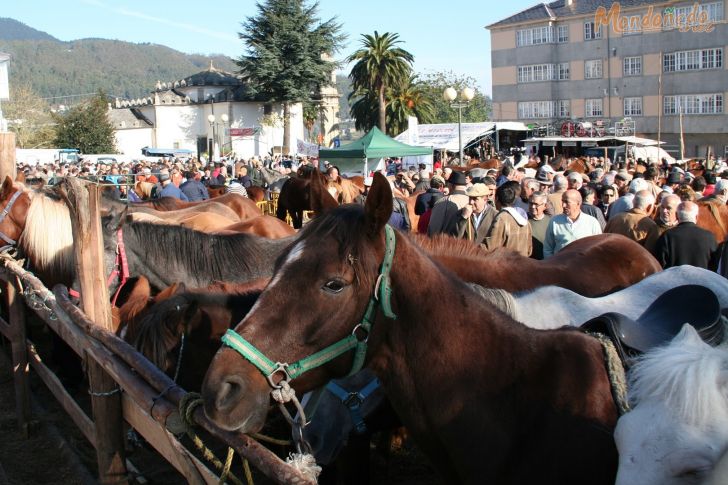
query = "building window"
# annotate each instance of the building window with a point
(632, 106)
(693, 60)
(562, 34)
(693, 104)
(632, 66)
(536, 109)
(535, 36)
(563, 69)
(682, 18)
(200, 95)
(593, 108)
(535, 73)
(592, 31)
(593, 69)
(563, 108)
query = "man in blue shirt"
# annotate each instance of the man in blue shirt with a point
(193, 188)
(573, 224)
(169, 189)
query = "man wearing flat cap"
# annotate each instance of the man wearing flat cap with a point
(476, 218)
(446, 211)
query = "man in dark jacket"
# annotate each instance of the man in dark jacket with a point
(193, 188)
(437, 187)
(687, 243)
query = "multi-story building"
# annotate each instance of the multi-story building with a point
(648, 61)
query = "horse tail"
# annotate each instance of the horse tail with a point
(282, 206)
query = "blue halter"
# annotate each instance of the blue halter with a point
(353, 401)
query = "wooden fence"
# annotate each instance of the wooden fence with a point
(124, 384)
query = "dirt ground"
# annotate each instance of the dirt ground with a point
(57, 453)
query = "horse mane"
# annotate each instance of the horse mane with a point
(500, 299)
(687, 375)
(442, 244)
(165, 204)
(47, 239)
(204, 253)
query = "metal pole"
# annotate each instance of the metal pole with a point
(460, 133)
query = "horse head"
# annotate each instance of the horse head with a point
(15, 203)
(333, 266)
(677, 429)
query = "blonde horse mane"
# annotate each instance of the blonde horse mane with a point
(48, 238)
(144, 189)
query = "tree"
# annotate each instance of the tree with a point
(379, 66)
(403, 99)
(86, 126)
(30, 118)
(286, 53)
(433, 85)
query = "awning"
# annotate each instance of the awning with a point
(444, 136)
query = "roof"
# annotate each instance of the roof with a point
(211, 77)
(130, 117)
(559, 10)
(374, 144)
(633, 140)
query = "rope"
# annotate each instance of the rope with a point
(617, 376)
(187, 406)
(271, 440)
(228, 464)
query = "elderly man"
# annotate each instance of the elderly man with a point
(719, 195)
(539, 222)
(556, 196)
(687, 243)
(574, 180)
(667, 213)
(626, 202)
(528, 186)
(476, 218)
(569, 226)
(636, 223)
(446, 211)
(510, 228)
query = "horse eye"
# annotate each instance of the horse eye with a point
(334, 286)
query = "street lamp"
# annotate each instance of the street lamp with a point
(463, 100)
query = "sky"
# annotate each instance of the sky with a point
(442, 36)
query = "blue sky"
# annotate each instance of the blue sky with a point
(442, 36)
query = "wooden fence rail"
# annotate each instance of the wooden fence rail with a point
(150, 399)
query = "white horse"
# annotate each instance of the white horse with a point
(551, 307)
(677, 429)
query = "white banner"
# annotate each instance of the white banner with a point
(4, 86)
(307, 149)
(445, 135)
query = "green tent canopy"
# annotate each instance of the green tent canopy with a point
(372, 146)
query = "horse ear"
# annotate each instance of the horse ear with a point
(378, 207)
(320, 198)
(7, 186)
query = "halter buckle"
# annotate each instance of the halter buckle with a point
(353, 400)
(365, 339)
(280, 367)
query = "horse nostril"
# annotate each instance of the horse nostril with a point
(230, 393)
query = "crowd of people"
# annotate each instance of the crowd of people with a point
(536, 215)
(539, 215)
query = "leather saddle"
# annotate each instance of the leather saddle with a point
(662, 320)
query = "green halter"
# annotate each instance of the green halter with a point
(382, 294)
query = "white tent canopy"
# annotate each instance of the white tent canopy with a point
(444, 136)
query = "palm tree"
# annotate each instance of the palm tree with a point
(379, 65)
(408, 98)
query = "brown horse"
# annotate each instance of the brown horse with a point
(242, 206)
(713, 216)
(264, 226)
(580, 165)
(204, 222)
(15, 210)
(307, 192)
(487, 399)
(255, 193)
(216, 191)
(569, 268)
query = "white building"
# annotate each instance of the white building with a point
(176, 115)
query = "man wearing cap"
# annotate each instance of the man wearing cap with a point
(568, 226)
(687, 243)
(622, 180)
(193, 188)
(510, 228)
(477, 216)
(446, 211)
(168, 188)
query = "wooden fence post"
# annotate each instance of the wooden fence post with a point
(7, 155)
(83, 201)
(18, 344)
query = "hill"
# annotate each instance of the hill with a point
(68, 71)
(11, 29)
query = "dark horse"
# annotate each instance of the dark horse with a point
(307, 192)
(487, 399)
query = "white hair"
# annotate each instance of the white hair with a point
(687, 212)
(721, 186)
(560, 182)
(688, 375)
(643, 199)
